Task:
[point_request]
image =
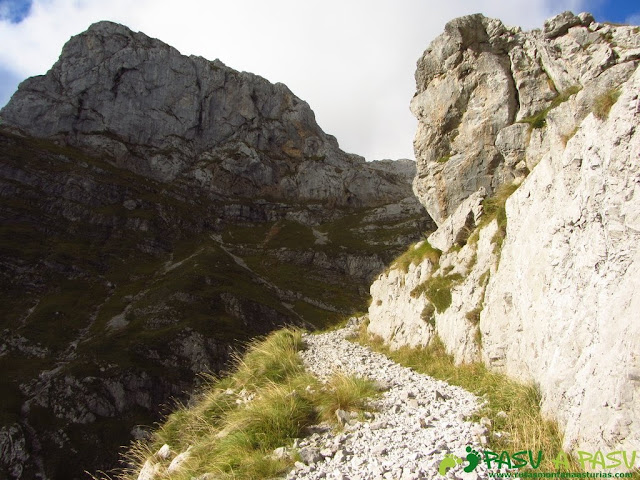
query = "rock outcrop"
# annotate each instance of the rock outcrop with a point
(171, 117)
(540, 287)
(159, 211)
(481, 84)
(437, 295)
(562, 309)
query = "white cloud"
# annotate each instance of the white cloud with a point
(352, 60)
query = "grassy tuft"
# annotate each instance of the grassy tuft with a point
(428, 314)
(275, 417)
(236, 422)
(345, 393)
(272, 360)
(477, 337)
(568, 136)
(539, 120)
(513, 408)
(603, 103)
(474, 315)
(416, 254)
(494, 208)
(438, 290)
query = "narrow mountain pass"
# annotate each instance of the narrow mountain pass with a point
(416, 423)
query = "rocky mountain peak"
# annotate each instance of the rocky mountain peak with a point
(480, 85)
(164, 115)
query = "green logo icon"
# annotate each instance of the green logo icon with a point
(450, 461)
(473, 457)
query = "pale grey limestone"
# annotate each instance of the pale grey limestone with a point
(478, 78)
(557, 304)
(145, 107)
(562, 308)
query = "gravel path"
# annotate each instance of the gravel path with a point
(416, 422)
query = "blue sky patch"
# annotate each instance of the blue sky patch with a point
(14, 10)
(618, 11)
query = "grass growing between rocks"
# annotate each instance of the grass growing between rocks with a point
(343, 392)
(513, 408)
(539, 120)
(494, 208)
(438, 290)
(233, 427)
(603, 103)
(415, 254)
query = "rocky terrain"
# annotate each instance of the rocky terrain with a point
(416, 423)
(408, 426)
(158, 211)
(174, 118)
(482, 86)
(528, 152)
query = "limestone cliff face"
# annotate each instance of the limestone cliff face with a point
(403, 315)
(544, 287)
(562, 308)
(478, 80)
(168, 116)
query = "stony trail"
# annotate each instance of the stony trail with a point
(415, 423)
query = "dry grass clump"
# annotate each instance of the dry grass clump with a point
(539, 120)
(238, 421)
(494, 207)
(513, 408)
(345, 392)
(602, 103)
(437, 289)
(415, 254)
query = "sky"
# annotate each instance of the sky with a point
(353, 61)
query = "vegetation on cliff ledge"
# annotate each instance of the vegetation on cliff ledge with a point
(539, 120)
(603, 103)
(415, 254)
(513, 409)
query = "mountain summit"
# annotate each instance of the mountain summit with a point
(170, 117)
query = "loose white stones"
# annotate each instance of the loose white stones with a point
(415, 422)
